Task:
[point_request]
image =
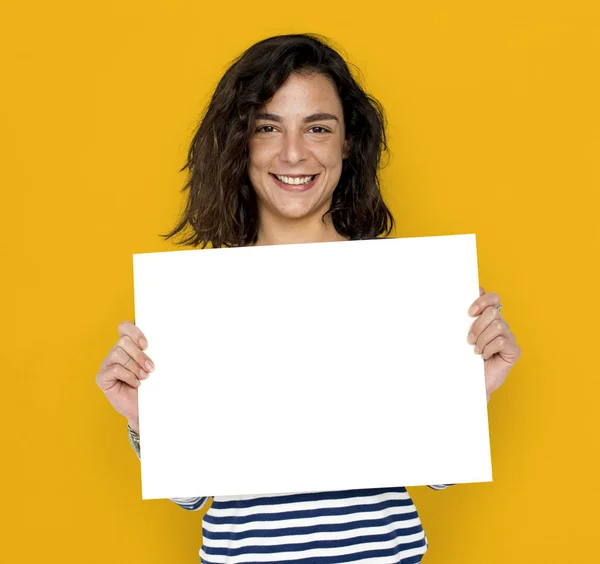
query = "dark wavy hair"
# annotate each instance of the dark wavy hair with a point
(221, 207)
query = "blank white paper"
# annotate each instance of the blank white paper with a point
(311, 367)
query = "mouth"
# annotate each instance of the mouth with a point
(295, 183)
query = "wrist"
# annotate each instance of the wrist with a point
(134, 426)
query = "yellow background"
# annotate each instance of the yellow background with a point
(494, 130)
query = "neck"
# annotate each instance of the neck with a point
(277, 230)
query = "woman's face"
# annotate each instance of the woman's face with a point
(297, 148)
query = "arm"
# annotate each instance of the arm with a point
(188, 503)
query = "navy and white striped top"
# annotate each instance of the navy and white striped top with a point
(378, 526)
(370, 525)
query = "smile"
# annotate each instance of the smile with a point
(295, 183)
(295, 179)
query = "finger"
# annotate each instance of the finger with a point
(114, 374)
(128, 329)
(118, 356)
(481, 291)
(496, 328)
(484, 301)
(494, 346)
(490, 315)
(142, 359)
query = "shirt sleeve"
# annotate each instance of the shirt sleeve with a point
(187, 503)
(190, 503)
(440, 486)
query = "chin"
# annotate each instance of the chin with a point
(295, 211)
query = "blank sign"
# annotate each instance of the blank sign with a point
(311, 367)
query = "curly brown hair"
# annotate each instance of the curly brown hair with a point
(221, 207)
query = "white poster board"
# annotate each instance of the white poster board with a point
(311, 367)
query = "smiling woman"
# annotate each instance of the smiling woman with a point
(287, 109)
(288, 151)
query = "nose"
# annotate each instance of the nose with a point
(293, 148)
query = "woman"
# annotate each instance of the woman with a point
(288, 152)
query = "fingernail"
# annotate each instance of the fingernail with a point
(471, 338)
(477, 351)
(143, 343)
(473, 310)
(143, 375)
(149, 366)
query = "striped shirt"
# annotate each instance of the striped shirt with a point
(378, 526)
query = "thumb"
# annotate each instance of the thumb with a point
(481, 291)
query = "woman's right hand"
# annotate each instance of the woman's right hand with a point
(123, 369)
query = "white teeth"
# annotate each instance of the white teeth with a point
(289, 180)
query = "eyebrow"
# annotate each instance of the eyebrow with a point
(319, 116)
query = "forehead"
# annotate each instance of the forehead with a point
(305, 94)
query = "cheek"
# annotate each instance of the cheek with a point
(329, 155)
(259, 154)
(257, 162)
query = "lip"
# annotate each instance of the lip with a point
(295, 187)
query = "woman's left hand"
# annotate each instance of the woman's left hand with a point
(493, 340)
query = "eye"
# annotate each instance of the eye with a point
(261, 129)
(323, 130)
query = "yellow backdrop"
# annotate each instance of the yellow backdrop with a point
(494, 130)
